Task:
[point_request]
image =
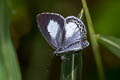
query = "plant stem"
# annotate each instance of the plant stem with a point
(94, 41)
(71, 67)
(66, 67)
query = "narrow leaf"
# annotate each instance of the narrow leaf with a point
(112, 43)
(9, 69)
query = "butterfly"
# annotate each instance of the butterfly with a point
(63, 34)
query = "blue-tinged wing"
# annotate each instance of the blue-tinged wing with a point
(73, 47)
(75, 35)
(51, 26)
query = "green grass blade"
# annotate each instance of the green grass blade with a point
(66, 67)
(94, 42)
(78, 66)
(71, 67)
(9, 69)
(80, 15)
(112, 43)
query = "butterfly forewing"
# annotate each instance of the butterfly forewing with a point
(51, 25)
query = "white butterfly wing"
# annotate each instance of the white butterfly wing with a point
(51, 25)
(75, 34)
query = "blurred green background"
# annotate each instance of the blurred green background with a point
(35, 55)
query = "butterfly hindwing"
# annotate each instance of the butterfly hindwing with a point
(73, 47)
(75, 34)
(51, 25)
